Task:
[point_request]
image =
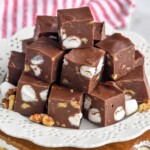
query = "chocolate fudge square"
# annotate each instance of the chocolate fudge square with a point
(135, 85)
(139, 59)
(31, 95)
(75, 28)
(99, 32)
(105, 105)
(25, 43)
(82, 68)
(46, 26)
(65, 107)
(15, 67)
(120, 56)
(43, 59)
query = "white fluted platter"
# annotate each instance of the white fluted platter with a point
(89, 135)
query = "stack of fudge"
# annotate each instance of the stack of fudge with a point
(71, 69)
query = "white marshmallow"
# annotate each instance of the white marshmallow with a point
(37, 71)
(43, 95)
(87, 71)
(128, 97)
(4, 87)
(72, 42)
(87, 102)
(94, 115)
(119, 113)
(65, 62)
(131, 106)
(75, 120)
(28, 94)
(37, 60)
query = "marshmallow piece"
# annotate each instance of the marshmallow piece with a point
(75, 120)
(119, 113)
(4, 87)
(37, 71)
(128, 96)
(131, 106)
(87, 102)
(43, 95)
(37, 60)
(143, 145)
(72, 42)
(94, 115)
(87, 71)
(28, 94)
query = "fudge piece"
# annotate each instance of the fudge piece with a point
(15, 67)
(31, 95)
(46, 26)
(105, 105)
(120, 56)
(65, 107)
(43, 59)
(82, 68)
(139, 59)
(25, 43)
(135, 85)
(75, 28)
(99, 32)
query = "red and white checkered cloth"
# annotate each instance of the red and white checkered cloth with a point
(17, 14)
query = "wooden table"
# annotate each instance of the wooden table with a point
(26, 145)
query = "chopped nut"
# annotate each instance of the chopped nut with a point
(144, 107)
(75, 104)
(37, 118)
(62, 105)
(57, 123)
(11, 101)
(65, 81)
(130, 92)
(27, 68)
(5, 103)
(47, 121)
(84, 40)
(42, 118)
(114, 76)
(11, 91)
(25, 106)
(63, 125)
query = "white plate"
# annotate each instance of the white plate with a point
(89, 135)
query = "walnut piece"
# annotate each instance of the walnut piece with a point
(43, 119)
(144, 107)
(5, 103)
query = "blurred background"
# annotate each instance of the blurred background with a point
(120, 14)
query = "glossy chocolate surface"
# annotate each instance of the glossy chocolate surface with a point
(64, 103)
(104, 100)
(15, 67)
(135, 84)
(31, 95)
(82, 69)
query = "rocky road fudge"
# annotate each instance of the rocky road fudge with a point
(31, 95)
(46, 26)
(75, 28)
(83, 68)
(139, 59)
(15, 67)
(135, 85)
(120, 56)
(105, 105)
(99, 32)
(25, 43)
(43, 59)
(65, 107)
